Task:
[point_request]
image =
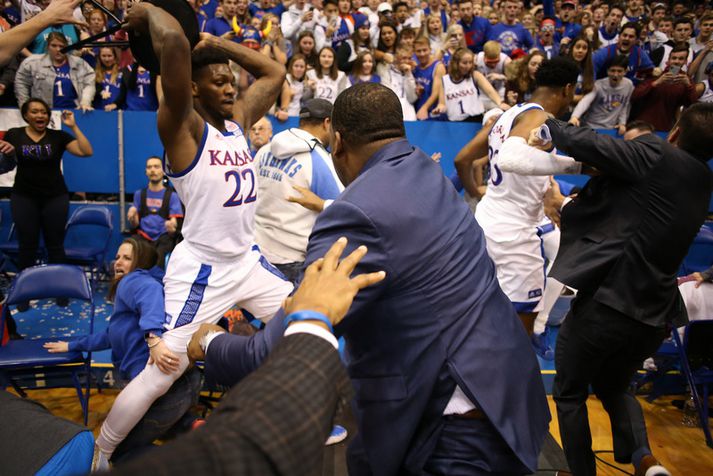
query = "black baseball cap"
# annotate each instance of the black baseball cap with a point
(316, 109)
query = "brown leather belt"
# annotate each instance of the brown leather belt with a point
(474, 414)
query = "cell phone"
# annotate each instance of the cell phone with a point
(675, 69)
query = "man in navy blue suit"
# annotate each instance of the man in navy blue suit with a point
(444, 375)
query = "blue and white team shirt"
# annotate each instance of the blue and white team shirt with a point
(109, 91)
(294, 157)
(511, 37)
(64, 95)
(462, 98)
(424, 78)
(143, 97)
(219, 193)
(513, 201)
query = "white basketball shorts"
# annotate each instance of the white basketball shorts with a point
(197, 293)
(520, 265)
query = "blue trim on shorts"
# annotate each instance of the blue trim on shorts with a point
(525, 306)
(271, 268)
(195, 297)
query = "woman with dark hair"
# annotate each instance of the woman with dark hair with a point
(40, 200)
(520, 89)
(581, 52)
(326, 80)
(140, 87)
(110, 88)
(363, 69)
(360, 41)
(137, 293)
(306, 46)
(386, 47)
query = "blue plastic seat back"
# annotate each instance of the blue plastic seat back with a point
(50, 281)
(91, 215)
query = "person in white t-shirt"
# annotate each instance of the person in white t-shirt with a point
(326, 81)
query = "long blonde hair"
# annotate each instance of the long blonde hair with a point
(100, 70)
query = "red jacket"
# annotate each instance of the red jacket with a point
(659, 105)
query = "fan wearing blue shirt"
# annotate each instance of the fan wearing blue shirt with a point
(219, 26)
(510, 34)
(156, 210)
(475, 29)
(566, 26)
(639, 61)
(259, 10)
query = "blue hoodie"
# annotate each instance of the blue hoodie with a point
(138, 309)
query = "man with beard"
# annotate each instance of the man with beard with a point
(155, 211)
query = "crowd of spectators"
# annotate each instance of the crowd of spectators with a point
(408, 46)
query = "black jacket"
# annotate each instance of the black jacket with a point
(625, 235)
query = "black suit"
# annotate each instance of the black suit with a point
(623, 240)
(274, 422)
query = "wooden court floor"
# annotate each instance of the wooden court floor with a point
(681, 449)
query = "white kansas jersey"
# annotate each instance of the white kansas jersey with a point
(462, 98)
(219, 190)
(512, 200)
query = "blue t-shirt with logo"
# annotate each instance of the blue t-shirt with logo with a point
(64, 95)
(152, 226)
(511, 37)
(143, 96)
(108, 91)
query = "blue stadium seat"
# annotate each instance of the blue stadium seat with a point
(22, 358)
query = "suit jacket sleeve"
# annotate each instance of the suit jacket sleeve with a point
(231, 357)
(342, 218)
(273, 422)
(626, 160)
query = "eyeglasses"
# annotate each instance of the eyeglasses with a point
(547, 28)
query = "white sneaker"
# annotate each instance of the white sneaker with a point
(339, 434)
(100, 463)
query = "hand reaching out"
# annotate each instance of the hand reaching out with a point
(56, 347)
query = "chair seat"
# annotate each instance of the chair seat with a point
(30, 353)
(88, 254)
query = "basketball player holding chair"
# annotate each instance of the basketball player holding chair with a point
(201, 125)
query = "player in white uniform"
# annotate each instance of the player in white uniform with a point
(201, 126)
(512, 209)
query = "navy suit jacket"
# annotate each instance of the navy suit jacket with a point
(437, 320)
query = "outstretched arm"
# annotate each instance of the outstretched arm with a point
(627, 160)
(14, 40)
(269, 75)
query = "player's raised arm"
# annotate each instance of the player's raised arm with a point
(269, 75)
(178, 124)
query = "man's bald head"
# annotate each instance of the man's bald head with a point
(260, 133)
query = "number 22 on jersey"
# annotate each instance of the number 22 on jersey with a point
(241, 178)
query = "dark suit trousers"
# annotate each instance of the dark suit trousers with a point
(601, 347)
(274, 422)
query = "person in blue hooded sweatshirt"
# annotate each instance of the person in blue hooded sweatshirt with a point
(137, 292)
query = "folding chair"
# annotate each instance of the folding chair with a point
(90, 254)
(696, 356)
(20, 358)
